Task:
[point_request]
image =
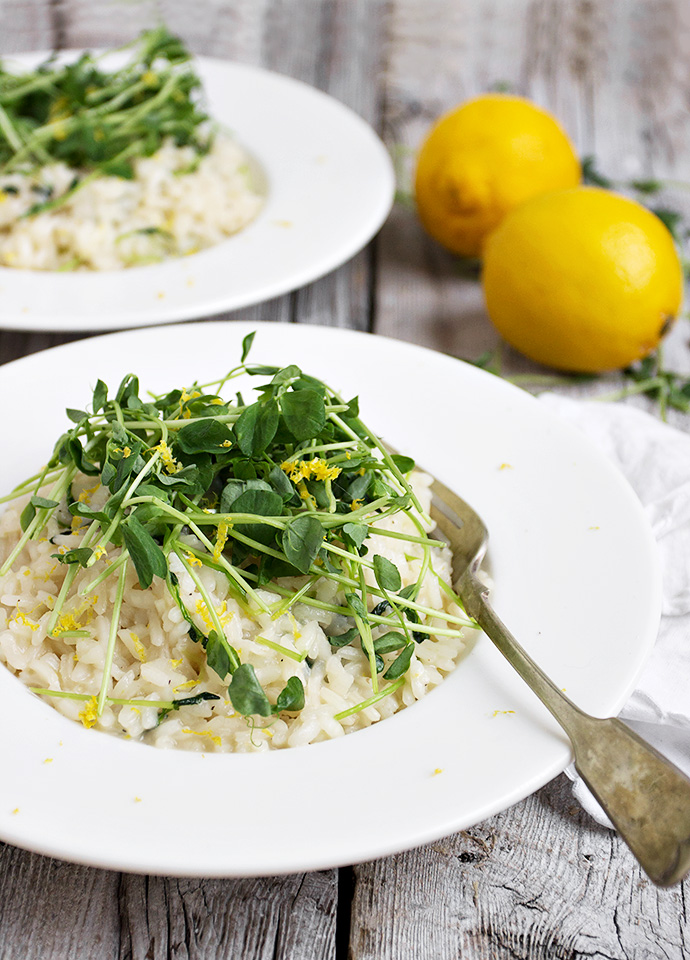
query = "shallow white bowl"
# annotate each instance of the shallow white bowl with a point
(575, 578)
(330, 186)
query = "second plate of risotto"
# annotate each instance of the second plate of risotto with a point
(252, 185)
(226, 620)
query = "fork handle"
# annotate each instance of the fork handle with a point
(645, 796)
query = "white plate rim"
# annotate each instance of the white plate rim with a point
(348, 846)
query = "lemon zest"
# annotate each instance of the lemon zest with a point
(140, 649)
(89, 715)
(214, 738)
(221, 538)
(169, 462)
(22, 618)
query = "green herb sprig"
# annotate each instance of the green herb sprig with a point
(100, 122)
(288, 485)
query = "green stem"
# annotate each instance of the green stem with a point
(391, 688)
(112, 637)
(212, 612)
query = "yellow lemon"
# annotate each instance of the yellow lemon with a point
(582, 279)
(481, 160)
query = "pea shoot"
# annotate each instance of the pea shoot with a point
(99, 122)
(284, 489)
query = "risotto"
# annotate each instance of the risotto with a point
(226, 576)
(104, 169)
(113, 222)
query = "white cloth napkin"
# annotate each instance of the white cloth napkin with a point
(655, 458)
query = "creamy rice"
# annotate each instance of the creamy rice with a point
(111, 222)
(155, 659)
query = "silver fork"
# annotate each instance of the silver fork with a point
(645, 796)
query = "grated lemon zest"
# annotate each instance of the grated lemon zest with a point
(221, 538)
(169, 462)
(316, 469)
(89, 715)
(139, 647)
(22, 618)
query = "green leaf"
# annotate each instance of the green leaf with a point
(355, 533)
(389, 642)
(591, 175)
(76, 416)
(80, 555)
(258, 502)
(647, 186)
(256, 427)
(128, 390)
(387, 574)
(282, 486)
(288, 373)
(401, 664)
(247, 345)
(291, 696)
(352, 408)
(356, 605)
(203, 436)
(302, 539)
(246, 693)
(34, 504)
(193, 701)
(357, 490)
(343, 639)
(80, 459)
(672, 220)
(304, 413)
(404, 464)
(42, 503)
(26, 516)
(217, 656)
(259, 370)
(148, 558)
(79, 509)
(233, 489)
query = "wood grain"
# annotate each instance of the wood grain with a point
(538, 882)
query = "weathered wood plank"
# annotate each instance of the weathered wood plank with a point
(539, 881)
(339, 52)
(26, 25)
(50, 910)
(281, 918)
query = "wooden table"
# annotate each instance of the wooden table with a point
(540, 880)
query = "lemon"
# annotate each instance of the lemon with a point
(582, 279)
(481, 160)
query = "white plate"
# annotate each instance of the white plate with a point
(575, 578)
(330, 186)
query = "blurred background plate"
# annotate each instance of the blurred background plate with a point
(329, 187)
